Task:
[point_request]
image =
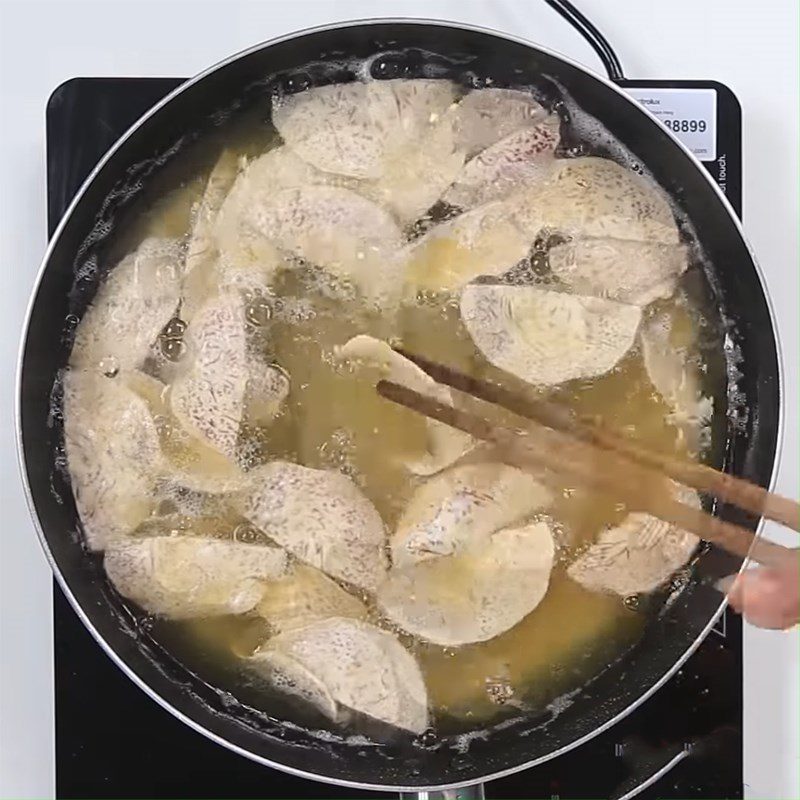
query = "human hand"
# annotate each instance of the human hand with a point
(767, 597)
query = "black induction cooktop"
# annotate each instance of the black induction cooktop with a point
(113, 741)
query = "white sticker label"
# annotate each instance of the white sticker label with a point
(691, 114)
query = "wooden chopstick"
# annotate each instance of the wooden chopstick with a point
(552, 455)
(727, 488)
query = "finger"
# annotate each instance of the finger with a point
(760, 596)
(731, 587)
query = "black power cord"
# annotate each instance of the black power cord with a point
(589, 32)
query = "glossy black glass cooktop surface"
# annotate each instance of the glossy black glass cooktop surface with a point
(113, 741)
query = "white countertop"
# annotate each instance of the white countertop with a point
(753, 48)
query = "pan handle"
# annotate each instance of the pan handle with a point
(473, 792)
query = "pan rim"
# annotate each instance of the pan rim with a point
(22, 463)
